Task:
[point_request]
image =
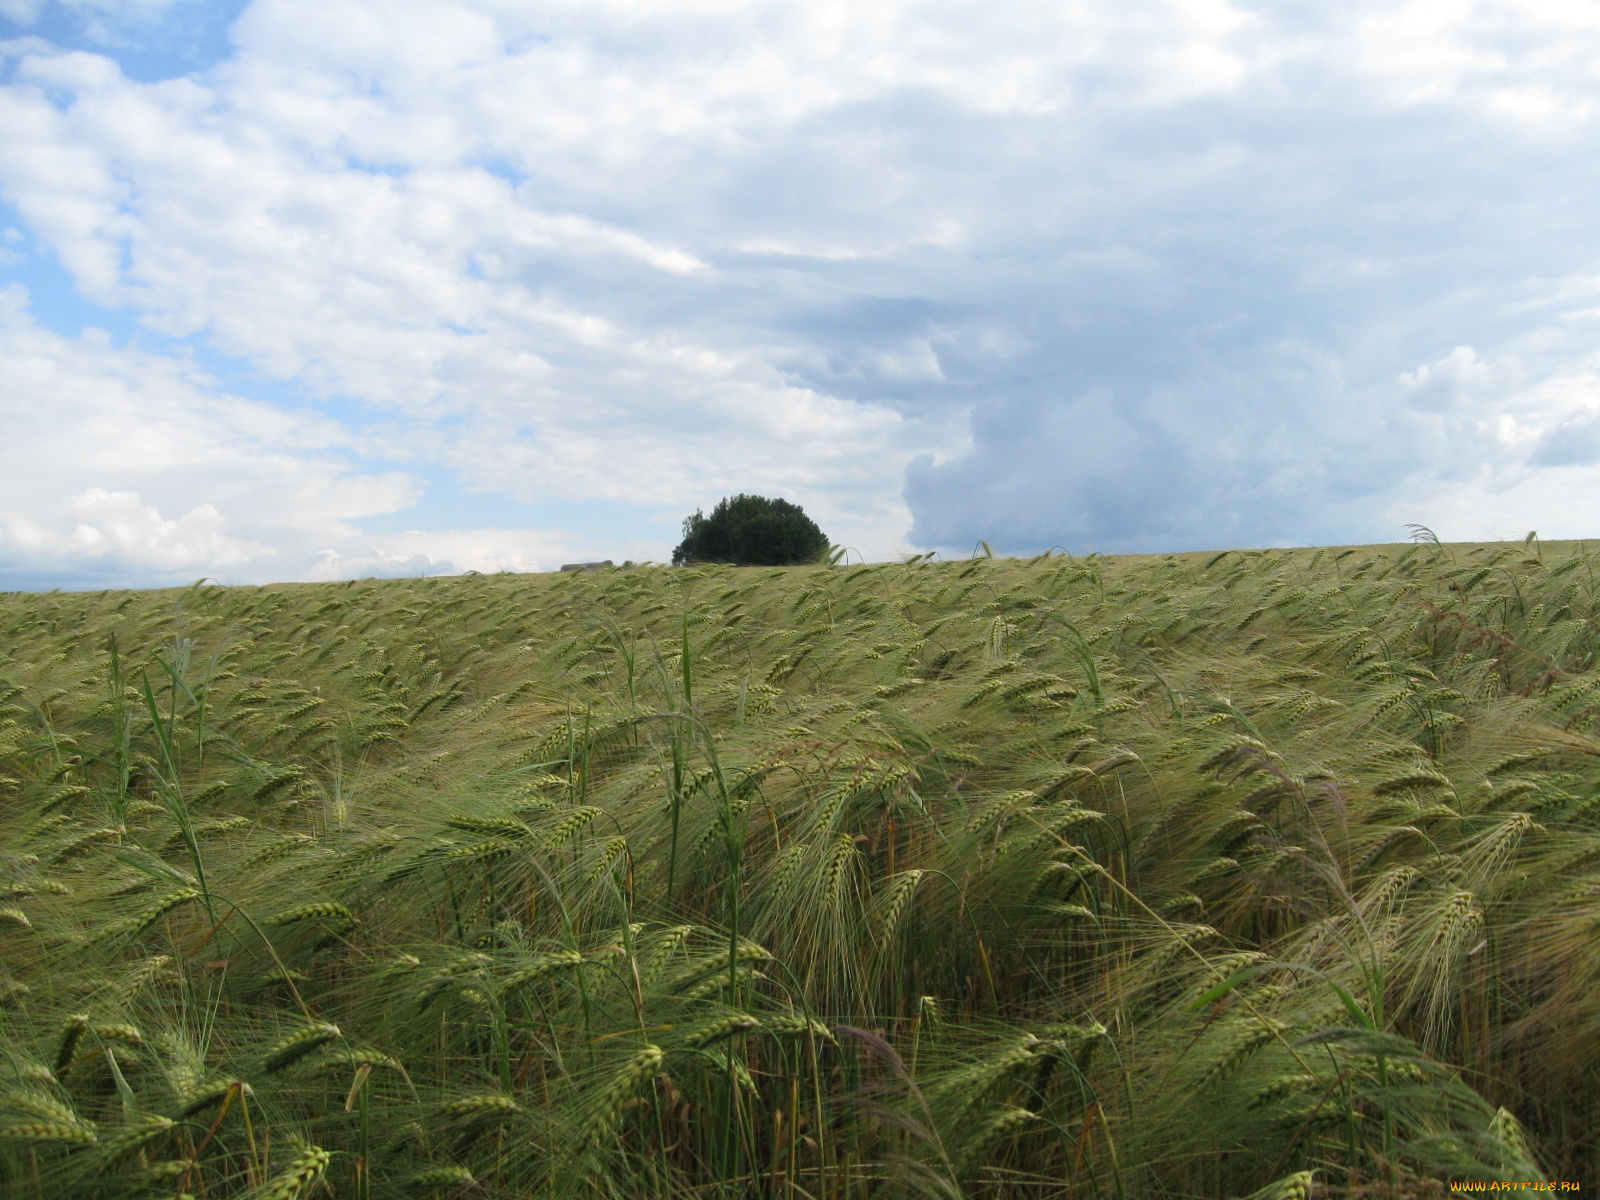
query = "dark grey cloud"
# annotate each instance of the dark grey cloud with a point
(1224, 318)
(1212, 324)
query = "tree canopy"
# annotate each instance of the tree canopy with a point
(751, 531)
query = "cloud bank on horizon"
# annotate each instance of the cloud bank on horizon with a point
(309, 290)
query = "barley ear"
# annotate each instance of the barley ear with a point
(296, 1046)
(633, 1074)
(296, 1180)
(209, 1096)
(1291, 1187)
(990, 1134)
(134, 1137)
(718, 1030)
(71, 1035)
(72, 1134)
(480, 1108)
(441, 1177)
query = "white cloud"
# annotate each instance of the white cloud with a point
(121, 527)
(485, 550)
(1138, 274)
(107, 451)
(1557, 503)
(1534, 60)
(441, 293)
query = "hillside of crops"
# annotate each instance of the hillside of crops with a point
(1269, 873)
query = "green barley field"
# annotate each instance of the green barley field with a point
(1269, 873)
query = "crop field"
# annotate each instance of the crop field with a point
(1265, 873)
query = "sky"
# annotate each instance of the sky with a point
(318, 289)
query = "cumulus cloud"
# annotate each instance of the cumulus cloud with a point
(107, 449)
(1140, 275)
(537, 351)
(484, 550)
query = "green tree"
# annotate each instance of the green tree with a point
(751, 531)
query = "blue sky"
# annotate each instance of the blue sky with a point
(308, 290)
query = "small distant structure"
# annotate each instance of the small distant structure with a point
(593, 566)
